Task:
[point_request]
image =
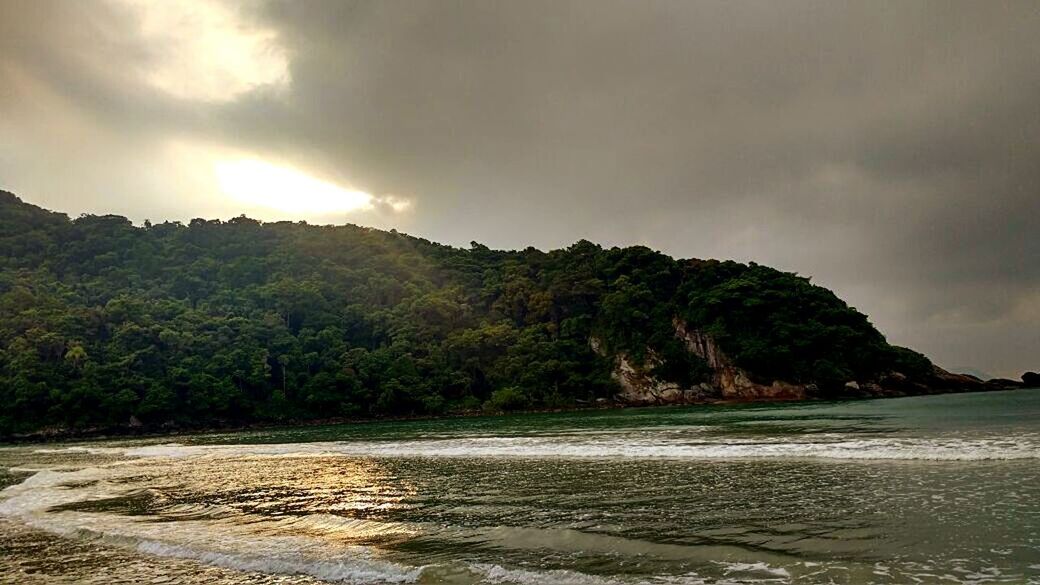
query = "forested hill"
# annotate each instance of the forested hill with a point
(102, 323)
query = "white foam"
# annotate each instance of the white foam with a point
(499, 574)
(65, 450)
(344, 570)
(759, 567)
(613, 446)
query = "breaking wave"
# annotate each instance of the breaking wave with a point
(594, 446)
(232, 545)
(224, 544)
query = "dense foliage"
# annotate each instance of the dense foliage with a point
(236, 321)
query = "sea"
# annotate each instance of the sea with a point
(922, 490)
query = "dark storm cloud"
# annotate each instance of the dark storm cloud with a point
(887, 149)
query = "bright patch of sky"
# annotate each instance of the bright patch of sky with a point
(285, 188)
(206, 51)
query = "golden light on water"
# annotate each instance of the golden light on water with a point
(282, 188)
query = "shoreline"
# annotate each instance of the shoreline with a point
(148, 431)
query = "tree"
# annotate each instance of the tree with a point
(76, 355)
(239, 321)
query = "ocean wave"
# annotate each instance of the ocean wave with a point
(730, 568)
(498, 574)
(613, 446)
(302, 545)
(225, 544)
(283, 547)
(342, 570)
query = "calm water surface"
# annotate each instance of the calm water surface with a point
(942, 489)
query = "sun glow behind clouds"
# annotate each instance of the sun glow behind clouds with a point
(256, 182)
(206, 50)
(229, 181)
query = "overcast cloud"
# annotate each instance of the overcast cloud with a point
(890, 150)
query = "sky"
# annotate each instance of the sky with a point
(888, 150)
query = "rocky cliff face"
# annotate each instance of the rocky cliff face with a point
(734, 383)
(729, 382)
(638, 386)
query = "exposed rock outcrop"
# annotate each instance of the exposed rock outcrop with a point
(701, 345)
(729, 382)
(941, 379)
(1003, 384)
(732, 382)
(639, 386)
